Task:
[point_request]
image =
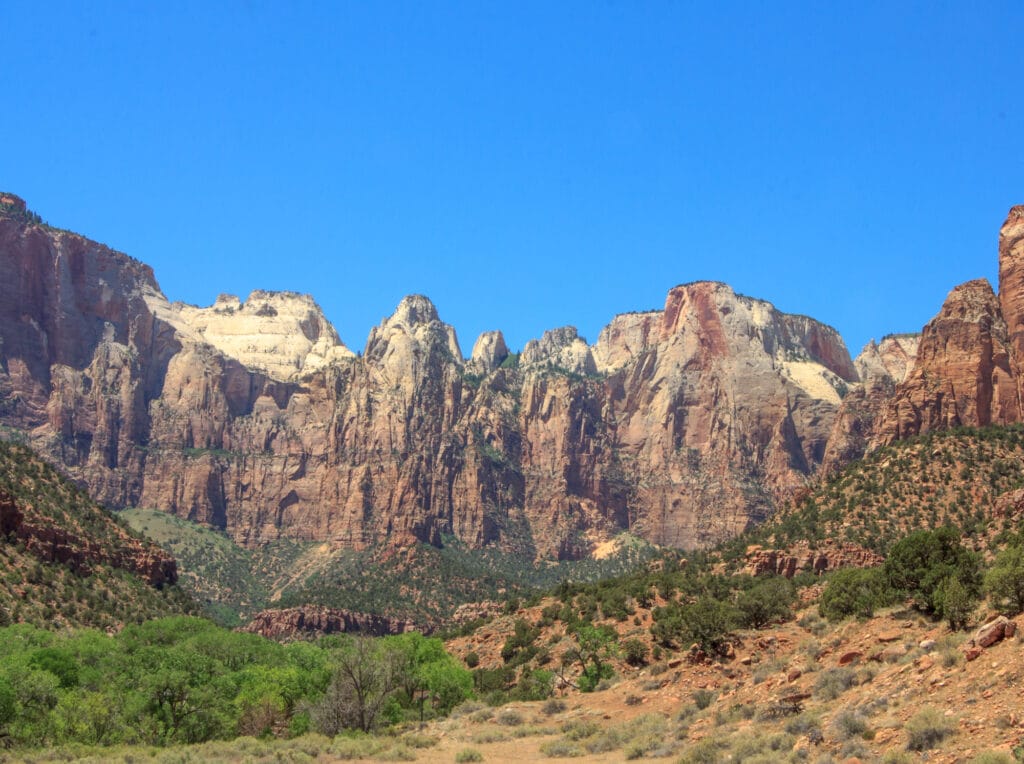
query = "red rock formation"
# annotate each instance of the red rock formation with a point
(1011, 278)
(64, 544)
(313, 621)
(684, 425)
(881, 367)
(829, 555)
(964, 373)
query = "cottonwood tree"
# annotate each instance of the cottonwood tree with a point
(366, 676)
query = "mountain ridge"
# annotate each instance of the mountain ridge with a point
(684, 425)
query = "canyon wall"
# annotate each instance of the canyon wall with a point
(684, 425)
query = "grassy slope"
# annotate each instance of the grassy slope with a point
(421, 583)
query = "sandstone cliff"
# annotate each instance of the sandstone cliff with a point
(312, 621)
(684, 425)
(968, 367)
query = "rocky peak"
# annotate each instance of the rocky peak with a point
(414, 309)
(281, 334)
(400, 344)
(962, 374)
(563, 347)
(889, 360)
(627, 336)
(489, 351)
(10, 203)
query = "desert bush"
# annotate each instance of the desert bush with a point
(803, 724)
(832, 683)
(1004, 582)
(927, 728)
(485, 736)
(560, 749)
(706, 751)
(468, 754)
(814, 623)
(848, 723)
(509, 717)
(578, 730)
(993, 757)
(553, 706)
(703, 698)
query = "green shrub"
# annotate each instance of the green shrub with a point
(703, 698)
(766, 601)
(472, 659)
(1004, 582)
(920, 564)
(634, 651)
(468, 754)
(927, 728)
(706, 622)
(855, 592)
(832, 683)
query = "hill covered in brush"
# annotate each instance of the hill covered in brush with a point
(66, 561)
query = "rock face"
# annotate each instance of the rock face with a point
(684, 425)
(829, 555)
(281, 334)
(965, 373)
(881, 367)
(965, 370)
(313, 621)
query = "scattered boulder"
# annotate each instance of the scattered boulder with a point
(994, 631)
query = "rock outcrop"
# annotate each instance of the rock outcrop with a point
(489, 351)
(826, 556)
(314, 621)
(281, 334)
(881, 367)
(964, 373)
(64, 543)
(685, 425)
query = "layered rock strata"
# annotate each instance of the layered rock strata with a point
(64, 544)
(684, 425)
(315, 621)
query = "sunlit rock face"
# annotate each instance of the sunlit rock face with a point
(684, 424)
(281, 334)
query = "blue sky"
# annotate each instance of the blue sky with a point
(527, 165)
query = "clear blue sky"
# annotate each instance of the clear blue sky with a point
(527, 165)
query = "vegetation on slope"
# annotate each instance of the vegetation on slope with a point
(954, 477)
(35, 590)
(230, 582)
(421, 584)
